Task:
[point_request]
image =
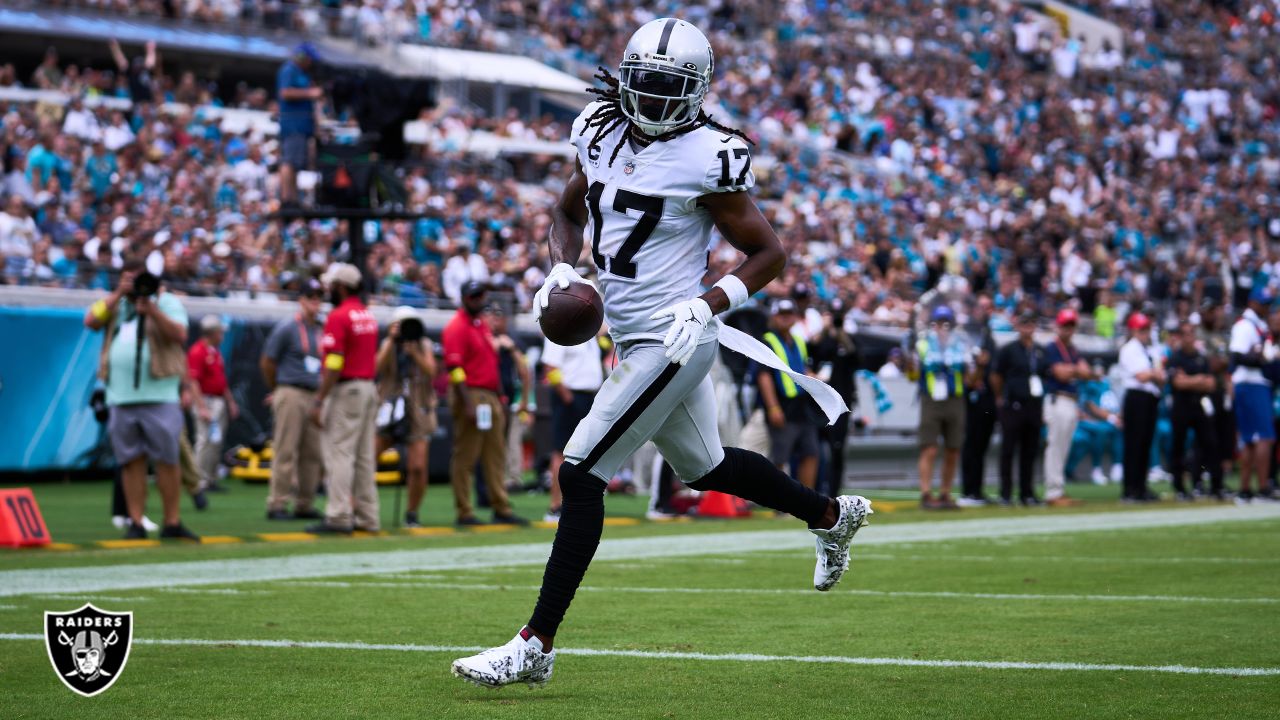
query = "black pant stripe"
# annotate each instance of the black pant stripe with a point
(629, 417)
(666, 36)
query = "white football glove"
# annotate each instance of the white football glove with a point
(560, 276)
(688, 321)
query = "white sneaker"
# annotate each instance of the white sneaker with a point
(552, 516)
(519, 661)
(658, 515)
(1158, 474)
(833, 545)
(965, 501)
(1098, 477)
(1117, 473)
(121, 521)
(148, 525)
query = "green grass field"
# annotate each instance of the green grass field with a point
(1105, 611)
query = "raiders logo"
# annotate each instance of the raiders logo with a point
(628, 168)
(88, 647)
(593, 155)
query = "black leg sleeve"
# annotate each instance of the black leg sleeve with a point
(751, 476)
(577, 537)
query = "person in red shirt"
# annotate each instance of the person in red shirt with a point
(346, 406)
(479, 421)
(211, 399)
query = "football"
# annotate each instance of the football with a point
(573, 315)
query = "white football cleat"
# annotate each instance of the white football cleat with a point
(519, 661)
(833, 544)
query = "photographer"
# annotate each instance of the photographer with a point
(143, 365)
(406, 367)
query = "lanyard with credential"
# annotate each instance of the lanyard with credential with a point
(303, 338)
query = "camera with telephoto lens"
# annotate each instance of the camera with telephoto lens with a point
(411, 330)
(145, 285)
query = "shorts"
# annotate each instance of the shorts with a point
(566, 416)
(147, 430)
(422, 422)
(793, 439)
(648, 397)
(294, 151)
(942, 418)
(1253, 413)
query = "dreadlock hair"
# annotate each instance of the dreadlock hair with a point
(610, 115)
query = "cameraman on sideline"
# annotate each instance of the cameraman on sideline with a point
(143, 365)
(406, 366)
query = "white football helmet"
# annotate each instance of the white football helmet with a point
(664, 75)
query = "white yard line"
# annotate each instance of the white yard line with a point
(1117, 560)
(726, 657)
(798, 591)
(218, 572)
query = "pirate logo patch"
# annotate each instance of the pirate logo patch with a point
(88, 647)
(628, 168)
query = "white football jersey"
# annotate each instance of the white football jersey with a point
(649, 236)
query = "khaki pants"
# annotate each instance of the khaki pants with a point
(349, 430)
(187, 464)
(488, 446)
(754, 435)
(208, 451)
(1061, 413)
(296, 463)
(515, 450)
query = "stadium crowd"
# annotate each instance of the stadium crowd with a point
(905, 149)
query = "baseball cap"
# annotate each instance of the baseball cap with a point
(343, 274)
(1261, 294)
(1067, 316)
(1138, 321)
(404, 312)
(1028, 316)
(942, 313)
(209, 323)
(800, 291)
(307, 50)
(783, 306)
(474, 288)
(312, 289)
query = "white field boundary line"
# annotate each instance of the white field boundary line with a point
(1118, 560)
(797, 591)
(714, 657)
(96, 578)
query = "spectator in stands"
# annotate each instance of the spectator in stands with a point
(140, 74)
(791, 415)
(895, 365)
(574, 375)
(142, 365)
(18, 237)
(291, 370)
(212, 402)
(1193, 385)
(406, 373)
(1066, 370)
(346, 407)
(980, 406)
(944, 367)
(297, 95)
(1251, 392)
(1144, 377)
(479, 420)
(838, 358)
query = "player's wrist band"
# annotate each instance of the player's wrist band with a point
(734, 289)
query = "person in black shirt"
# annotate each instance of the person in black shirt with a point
(1193, 409)
(980, 407)
(836, 353)
(1017, 381)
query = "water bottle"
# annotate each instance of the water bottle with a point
(215, 432)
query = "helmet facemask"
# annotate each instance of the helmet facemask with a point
(660, 99)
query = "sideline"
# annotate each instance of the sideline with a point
(97, 578)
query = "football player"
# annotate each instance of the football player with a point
(653, 174)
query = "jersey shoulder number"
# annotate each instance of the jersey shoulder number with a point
(728, 167)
